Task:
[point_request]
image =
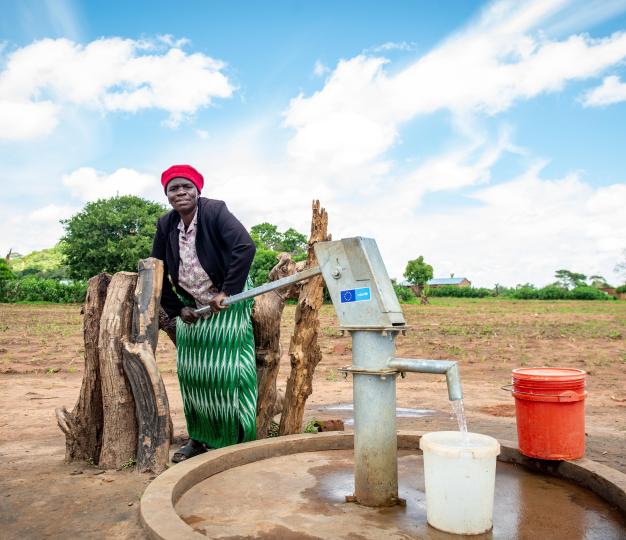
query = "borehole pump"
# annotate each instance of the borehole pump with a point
(368, 308)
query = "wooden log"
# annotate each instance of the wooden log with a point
(304, 350)
(151, 403)
(119, 437)
(266, 316)
(147, 302)
(151, 407)
(83, 426)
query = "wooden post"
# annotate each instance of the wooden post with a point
(304, 350)
(266, 315)
(83, 426)
(119, 436)
(151, 404)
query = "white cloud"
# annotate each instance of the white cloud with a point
(51, 213)
(169, 40)
(109, 74)
(24, 120)
(465, 166)
(88, 184)
(340, 125)
(320, 69)
(496, 61)
(611, 91)
(392, 46)
(521, 231)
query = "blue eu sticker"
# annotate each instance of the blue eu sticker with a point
(355, 295)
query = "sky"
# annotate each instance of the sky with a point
(489, 137)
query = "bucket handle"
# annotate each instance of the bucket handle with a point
(568, 395)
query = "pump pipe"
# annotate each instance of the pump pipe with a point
(448, 367)
(266, 287)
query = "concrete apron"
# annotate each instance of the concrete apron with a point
(161, 520)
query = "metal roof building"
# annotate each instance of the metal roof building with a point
(448, 281)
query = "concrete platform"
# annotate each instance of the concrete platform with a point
(303, 496)
(295, 487)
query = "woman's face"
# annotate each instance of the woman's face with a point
(182, 195)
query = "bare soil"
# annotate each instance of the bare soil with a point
(41, 351)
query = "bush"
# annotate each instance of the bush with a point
(33, 271)
(5, 271)
(459, 292)
(621, 289)
(553, 292)
(32, 289)
(585, 292)
(556, 292)
(405, 294)
(525, 292)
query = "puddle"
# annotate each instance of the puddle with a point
(401, 412)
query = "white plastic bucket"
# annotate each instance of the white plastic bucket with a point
(460, 478)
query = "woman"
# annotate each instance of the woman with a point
(207, 255)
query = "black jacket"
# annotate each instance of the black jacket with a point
(225, 251)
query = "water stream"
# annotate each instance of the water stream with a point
(459, 411)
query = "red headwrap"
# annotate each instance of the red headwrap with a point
(183, 171)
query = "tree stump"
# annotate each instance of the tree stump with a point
(304, 350)
(152, 408)
(266, 316)
(83, 426)
(119, 436)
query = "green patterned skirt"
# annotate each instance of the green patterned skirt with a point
(217, 374)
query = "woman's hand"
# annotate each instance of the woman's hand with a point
(188, 315)
(216, 302)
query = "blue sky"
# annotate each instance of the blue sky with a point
(487, 136)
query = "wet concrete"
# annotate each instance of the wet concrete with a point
(346, 410)
(303, 496)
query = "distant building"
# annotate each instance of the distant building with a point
(450, 281)
(608, 290)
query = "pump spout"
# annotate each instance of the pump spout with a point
(448, 367)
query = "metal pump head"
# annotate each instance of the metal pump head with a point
(358, 283)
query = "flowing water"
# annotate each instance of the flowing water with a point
(459, 411)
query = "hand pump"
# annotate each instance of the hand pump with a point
(367, 307)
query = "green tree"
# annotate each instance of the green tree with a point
(293, 242)
(5, 271)
(264, 261)
(110, 235)
(266, 236)
(45, 264)
(417, 273)
(270, 242)
(570, 279)
(598, 282)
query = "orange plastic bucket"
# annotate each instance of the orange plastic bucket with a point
(550, 412)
